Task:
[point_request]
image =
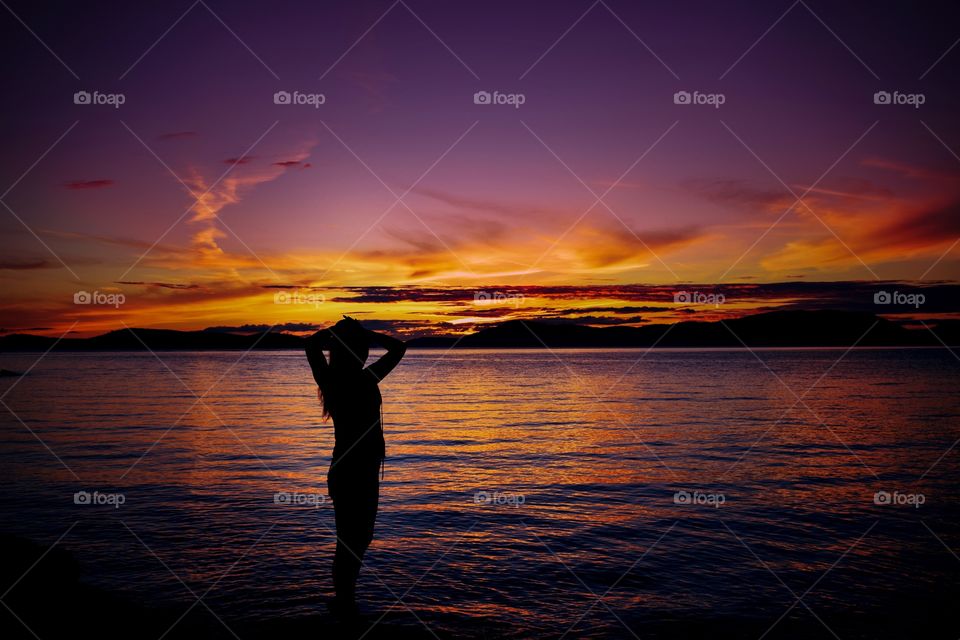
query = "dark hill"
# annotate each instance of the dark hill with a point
(773, 329)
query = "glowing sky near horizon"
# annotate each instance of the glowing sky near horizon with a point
(199, 198)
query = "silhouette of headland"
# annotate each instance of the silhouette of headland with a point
(815, 328)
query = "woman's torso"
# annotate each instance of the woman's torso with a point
(354, 404)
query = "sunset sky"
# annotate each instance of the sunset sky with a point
(206, 204)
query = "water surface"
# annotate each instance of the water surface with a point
(578, 457)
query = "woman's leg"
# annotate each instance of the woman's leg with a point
(346, 566)
(355, 493)
(368, 505)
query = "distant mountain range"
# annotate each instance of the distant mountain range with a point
(773, 329)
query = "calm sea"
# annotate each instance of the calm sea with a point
(526, 494)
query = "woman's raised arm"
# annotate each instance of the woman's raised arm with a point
(395, 350)
(318, 362)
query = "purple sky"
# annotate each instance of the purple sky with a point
(498, 196)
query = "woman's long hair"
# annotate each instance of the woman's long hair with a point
(348, 352)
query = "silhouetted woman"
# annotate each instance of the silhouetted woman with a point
(351, 397)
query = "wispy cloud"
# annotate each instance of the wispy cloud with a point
(27, 265)
(212, 198)
(176, 135)
(88, 184)
(162, 285)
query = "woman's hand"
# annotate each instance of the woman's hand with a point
(350, 324)
(321, 339)
(383, 340)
